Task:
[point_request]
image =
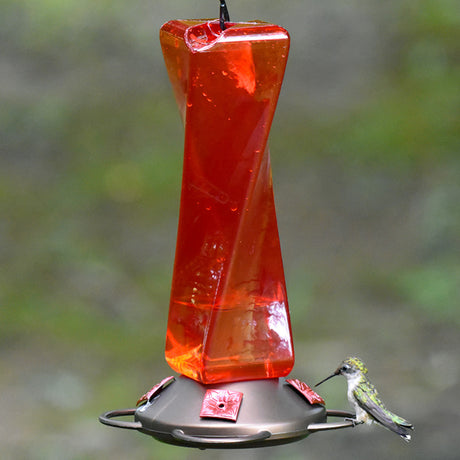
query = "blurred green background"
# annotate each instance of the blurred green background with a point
(366, 166)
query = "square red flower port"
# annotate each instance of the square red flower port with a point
(223, 404)
(311, 396)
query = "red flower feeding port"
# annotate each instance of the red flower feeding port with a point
(228, 332)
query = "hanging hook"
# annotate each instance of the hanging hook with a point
(224, 16)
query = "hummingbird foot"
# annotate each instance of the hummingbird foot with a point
(354, 421)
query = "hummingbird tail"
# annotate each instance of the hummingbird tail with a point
(407, 437)
(404, 431)
(391, 421)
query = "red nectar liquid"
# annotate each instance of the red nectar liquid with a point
(228, 316)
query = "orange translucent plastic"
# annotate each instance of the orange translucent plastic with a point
(228, 316)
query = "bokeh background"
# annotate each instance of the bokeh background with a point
(366, 166)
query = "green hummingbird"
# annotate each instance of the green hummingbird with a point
(365, 399)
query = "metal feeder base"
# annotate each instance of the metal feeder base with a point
(272, 412)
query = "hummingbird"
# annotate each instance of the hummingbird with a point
(365, 399)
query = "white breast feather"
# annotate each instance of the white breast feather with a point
(361, 415)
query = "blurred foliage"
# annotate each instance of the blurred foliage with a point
(436, 289)
(412, 118)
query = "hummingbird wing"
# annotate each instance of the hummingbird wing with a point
(368, 399)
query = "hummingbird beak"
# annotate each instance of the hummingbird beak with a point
(327, 378)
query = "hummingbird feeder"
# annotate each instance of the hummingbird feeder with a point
(229, 333)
